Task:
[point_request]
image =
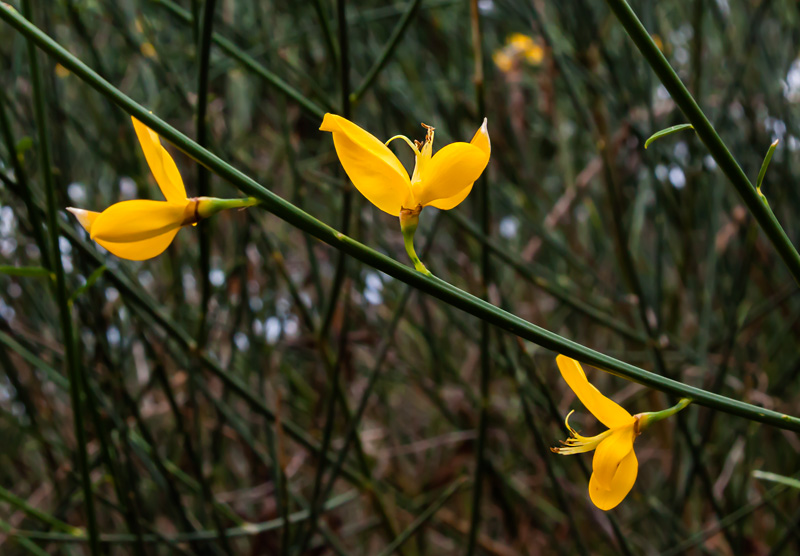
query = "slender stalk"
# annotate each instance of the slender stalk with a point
(327, 434)
(523, 387)
(423, 517)
(388, 50)
(62, 299)
(409, 221)
(333, 54)
(25, 543)
(203, 176)
(483, 215)
(246, 530)
(17, 502)
(347, 191)
(250, 63)
(708, 135)
(22, 181)
(435, 287)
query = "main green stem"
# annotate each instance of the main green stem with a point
(708, 135)
(430, 285)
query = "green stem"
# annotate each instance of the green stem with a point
(209, 206)
(439, 289)
(647, 419)
(206, 25)
(708, 135)
(408, 225)
(250, 63)
(482, 213)
(333, 53)
(22, 180)
(62, 299)
(246, 530)
(388, 50)
(423, 517)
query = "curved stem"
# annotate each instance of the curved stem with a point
(408, 225)
(647, 419)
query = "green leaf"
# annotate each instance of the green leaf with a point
(775, 478)
(89, 283)
(765, 165)
(668, 131)
(34, 271)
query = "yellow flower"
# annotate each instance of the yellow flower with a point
(520, 42)
(142, 229)
(517, 48)
(614, 467)
(659, 42)
(442, 180)
(148, 50)
(503, 61)
(534, 54)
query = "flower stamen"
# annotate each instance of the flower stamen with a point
(414, 146)
(576, 443)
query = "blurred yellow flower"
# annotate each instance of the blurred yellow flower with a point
(442, 180)
(518, 47)
(659, 42)
(142, 229)
(61, 71)
(614, 466)
(148, 50)
(503, 61)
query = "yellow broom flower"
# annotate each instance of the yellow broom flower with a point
(614, 466)
(142, 229)
(442, 180)
(518, 48)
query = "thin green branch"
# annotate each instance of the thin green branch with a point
(483, 214)
(708, 135)
(203, 177)
(388, 50)
(250, 63)
(424, 517)
(246, 530)
(62, 299)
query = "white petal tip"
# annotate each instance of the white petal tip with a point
(83, 217)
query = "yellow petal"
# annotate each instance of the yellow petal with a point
(480, 140)
(451, 202)
(621, 484)
(85, 217)
(371, 166)
(503, 61)
(161, 163)
(607, 412)
(133, 221)
(453, 169)
(608, 455)
(140, 250)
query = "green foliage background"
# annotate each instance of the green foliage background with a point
(221, 381)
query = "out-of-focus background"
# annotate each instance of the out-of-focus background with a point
(211, 393)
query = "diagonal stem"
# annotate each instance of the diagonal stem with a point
(708, 135)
